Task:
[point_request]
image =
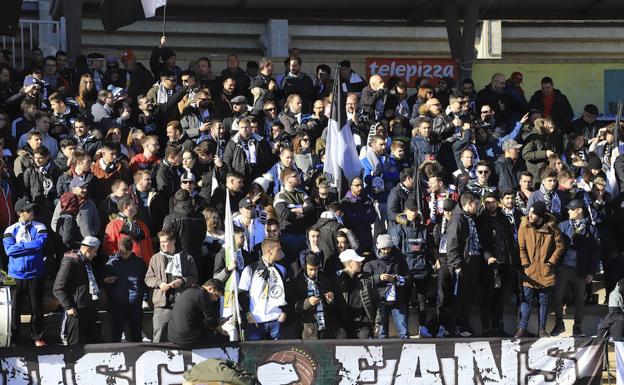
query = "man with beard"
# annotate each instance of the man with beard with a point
(247, 153)
(297, 82)
(234, 71)
(138, 78)
(199, 113)
(578, 265)
(40, 184)
(464, 256)
(127, 224)
(500, 247)
(312, 296)
(88, 217)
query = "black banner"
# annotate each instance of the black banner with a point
(560, 361)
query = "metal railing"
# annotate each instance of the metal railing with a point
(48, 35)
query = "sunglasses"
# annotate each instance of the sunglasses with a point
(483, 171)
(187, 182)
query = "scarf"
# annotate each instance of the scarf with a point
(70, 203)
(48, 183)
(580, 226)
(163, 94)
(521, 202)
(509, 214)
(131, 227)
(313, 291)
(606, 155)
(94, 290)
(174, 264)
(108, 168)
(273, 286)
(551, 200)
(332, 215)
(249, 147)
(474, 246)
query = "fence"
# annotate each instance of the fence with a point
(48, 35)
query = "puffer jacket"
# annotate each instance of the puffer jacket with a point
(394, 264)
(189, 227)
(539, 245)
(410, 238)
(26, 257)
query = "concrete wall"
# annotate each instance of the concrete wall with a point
(574, 54)
(581, 83)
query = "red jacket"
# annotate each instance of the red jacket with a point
(7, 215)
(142, 249)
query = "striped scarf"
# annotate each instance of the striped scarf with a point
(313, 291)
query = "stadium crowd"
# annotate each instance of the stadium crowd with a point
(116, 179)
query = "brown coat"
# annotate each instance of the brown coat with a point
(538, 246)
(156, 275)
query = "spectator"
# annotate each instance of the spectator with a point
(549, 194)
(88, 217)
(108, 168)
(24, 243)
(77, 291)
(554, 104)
(194, 319)
(577, 267)
(359, 213)
(247, 153)
(67, 226)
(139, 78)
(39, 184)
(357, 299)
(124, 281)
(168, 274)
(286, 161)
(541, 246)
(262, 295)
(312, 296)
(126, 225)
(168, 175)
(390, 275)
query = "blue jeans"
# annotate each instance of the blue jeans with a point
(264, 331)
(525, 306)
(399, 316)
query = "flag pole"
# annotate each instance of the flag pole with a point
(164, 18)
(337, 103)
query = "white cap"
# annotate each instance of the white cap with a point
(350, 255)
(91, 241)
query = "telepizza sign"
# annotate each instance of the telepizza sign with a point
(410, 70)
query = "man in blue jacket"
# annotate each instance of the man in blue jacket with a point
(578, 265)
(24, 243)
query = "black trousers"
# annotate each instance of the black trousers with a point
(492, 300)
(360, 331)
(33, 288)
(126, 314)
(82, 329)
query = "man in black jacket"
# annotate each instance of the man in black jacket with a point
(399, 194)
(189, 225)
(168, 174)
(390, 275)
(495, 276)
(77, 291)
(195, 316)
(247, 153)
(465, 257)
(356, 297)
(312, 297)
(554, 104)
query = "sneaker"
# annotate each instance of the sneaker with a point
(521, 333)
(40, 343)
(577, 332)
(557, 329)
(542, 333)
(5, 279)
(442, 332)
(423, 332)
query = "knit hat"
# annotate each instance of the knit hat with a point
(264, 181)
(166, 53)
(384, 241)
(538, 208)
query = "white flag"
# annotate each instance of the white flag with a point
(150, 6)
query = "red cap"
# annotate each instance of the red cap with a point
(517, 76)
(127, 55)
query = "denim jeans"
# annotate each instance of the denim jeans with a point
(525, 306)
(264, 331)
(399, 316)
